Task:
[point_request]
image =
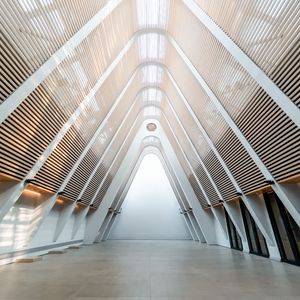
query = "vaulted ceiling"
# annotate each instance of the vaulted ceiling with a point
(80, 80)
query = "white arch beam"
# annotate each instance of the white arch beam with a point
(220, 218)
(68, 210)
(204, 219)
(95, 221)
(107, 149)
(185, 206)
(289, 201)
(258, 214)
(111, 215)
(262, 79)
(236, 219)
(20, 187)
(283, 193)
(60, 226)
(290, 206)
(128, 182)
(48, 204)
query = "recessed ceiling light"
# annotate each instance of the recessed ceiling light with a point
(151, 126)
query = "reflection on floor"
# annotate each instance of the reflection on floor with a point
(151, 270)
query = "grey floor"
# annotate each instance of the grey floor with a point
(150, 270)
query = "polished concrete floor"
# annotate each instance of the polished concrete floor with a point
(151, 270)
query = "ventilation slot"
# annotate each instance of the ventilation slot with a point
(103, 190)
(219, 176)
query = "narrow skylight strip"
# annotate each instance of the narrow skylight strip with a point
(151, 111)
(153, 13)
(151, 74)
(152, 46)
(152, 95)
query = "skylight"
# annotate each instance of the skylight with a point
(151, 111)
(152, 46)
(152, 95)
(151, 74)
(153, 13)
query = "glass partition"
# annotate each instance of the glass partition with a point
(286, 230)
(256, 241)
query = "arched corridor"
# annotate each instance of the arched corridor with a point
(91, 90)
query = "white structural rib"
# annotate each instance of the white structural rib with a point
(115, 206)
(217, 216)
(189, 215)
(73, 206)
(73, 118)
(282, 194)
(262, 223)
(222, 111)
(125, 187)
(110, 143)
(284, 102)
(100, 128)
(239, 226)
(290, 202)
(22, 185)
(95, 221)
(13, 101)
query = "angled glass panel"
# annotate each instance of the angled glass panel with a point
(256, 241)
(286, 230)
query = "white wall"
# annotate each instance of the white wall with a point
(17, 225)
(150, 209)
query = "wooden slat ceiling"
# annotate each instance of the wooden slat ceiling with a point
(31, 31)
